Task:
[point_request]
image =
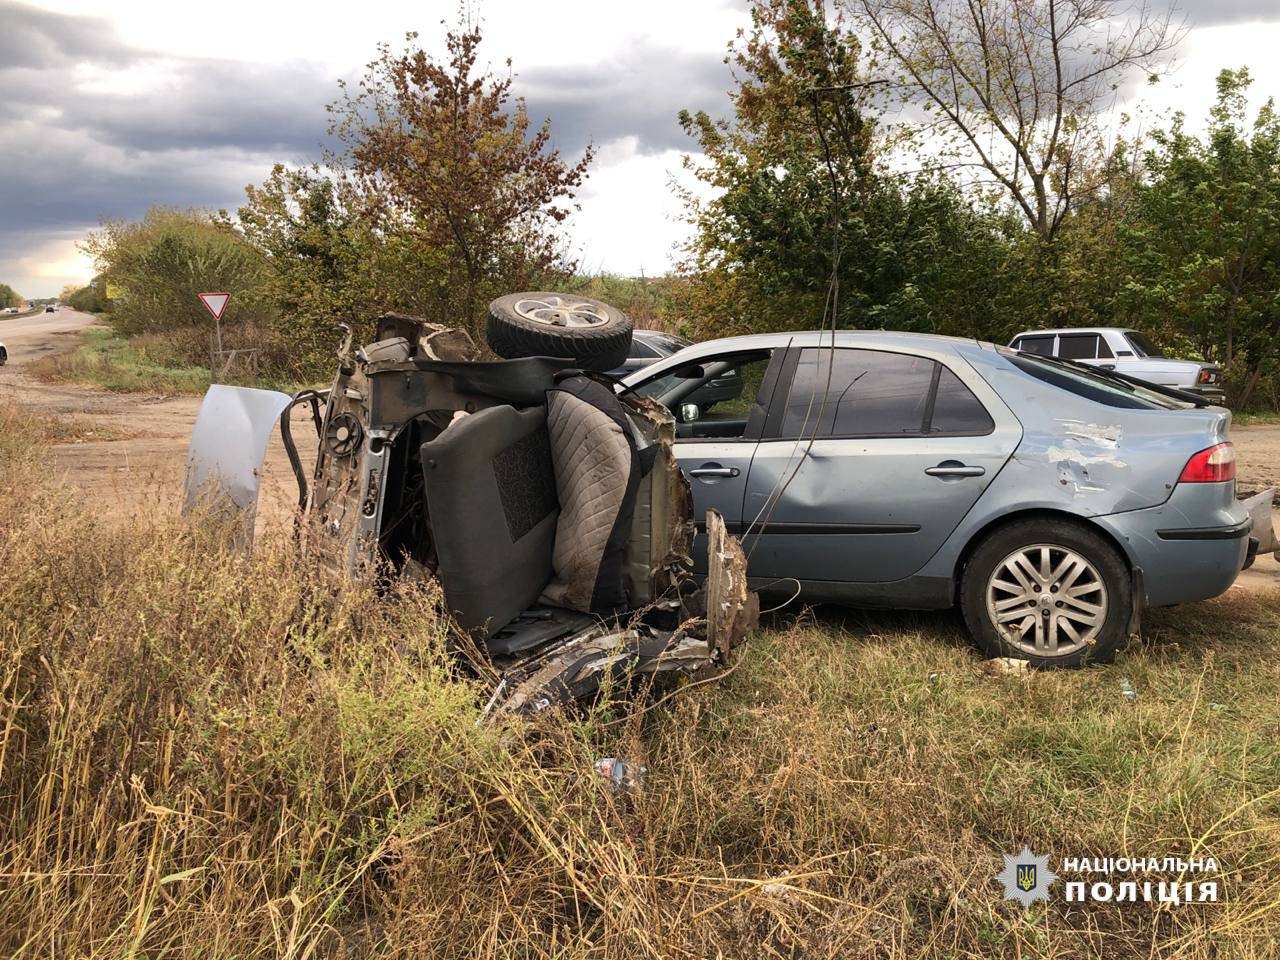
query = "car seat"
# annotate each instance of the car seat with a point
(533, 505)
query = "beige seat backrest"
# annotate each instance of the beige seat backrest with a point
(596, 470)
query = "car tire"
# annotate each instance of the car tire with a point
(1079, 613)
(593, 334)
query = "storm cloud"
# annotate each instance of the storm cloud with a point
(1208, 13)
(94, 126)
(638, 94)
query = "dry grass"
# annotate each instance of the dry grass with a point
(204, 754)
(172, 363)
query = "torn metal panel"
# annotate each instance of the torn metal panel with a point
(1259, 507)
(733, 610)
(658, 552)
(579, 667)
(229, 445)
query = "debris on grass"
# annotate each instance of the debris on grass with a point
(623, 776)
(1004, 667)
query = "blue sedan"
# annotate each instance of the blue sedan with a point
(1051, 502)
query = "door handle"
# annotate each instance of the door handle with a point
(954, 468)
(713, 470)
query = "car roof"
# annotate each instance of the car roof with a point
(843, 338)
(1046, 333)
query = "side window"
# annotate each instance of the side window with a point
(956, 410)
(714, 397)
(1078, 346)
(1104, 349)
(1043, 346)
(865, 393)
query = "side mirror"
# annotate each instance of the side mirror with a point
(693, 371)
(689, 412)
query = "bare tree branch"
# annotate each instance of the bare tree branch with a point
(1028, 78)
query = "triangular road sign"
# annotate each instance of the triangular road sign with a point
(215, 303)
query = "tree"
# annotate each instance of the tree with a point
(1020, 87)
(799, 162)
(156, 267)
(326, 262)
(10, 297)
(1203, 248)
(442, 153)
(91, 298)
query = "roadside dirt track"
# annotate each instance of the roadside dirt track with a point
(128, 476)
(145, 471)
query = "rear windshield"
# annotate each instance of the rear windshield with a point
(1092, 386)
(1143, 346)
(666, 342)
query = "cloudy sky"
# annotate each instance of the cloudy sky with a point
(108, 108)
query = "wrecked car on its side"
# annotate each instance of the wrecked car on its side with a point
(549, 509)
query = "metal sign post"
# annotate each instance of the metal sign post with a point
(216, 304)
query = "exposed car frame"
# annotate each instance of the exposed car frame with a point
(391, 493)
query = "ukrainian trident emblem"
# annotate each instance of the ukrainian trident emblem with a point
(1026, 877)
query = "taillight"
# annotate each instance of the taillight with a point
(1206, 376)
(1214, 465)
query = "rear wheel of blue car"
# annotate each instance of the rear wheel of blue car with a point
(1048, 591)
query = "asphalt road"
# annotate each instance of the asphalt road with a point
(28, 337)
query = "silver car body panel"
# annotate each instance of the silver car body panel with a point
(229, 444)
(1051, 452)
(1260, 507)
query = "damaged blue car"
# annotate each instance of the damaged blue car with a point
(1051, 501)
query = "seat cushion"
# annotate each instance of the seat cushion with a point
(491, 503)
(596, 472)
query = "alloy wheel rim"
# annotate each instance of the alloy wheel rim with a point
(1047, 600)
(554, 311)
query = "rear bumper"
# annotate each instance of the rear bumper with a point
(1233, 532)
(1191, 547)
(1214, 394)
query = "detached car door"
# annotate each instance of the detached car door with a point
(720, 404)
(869, 460)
